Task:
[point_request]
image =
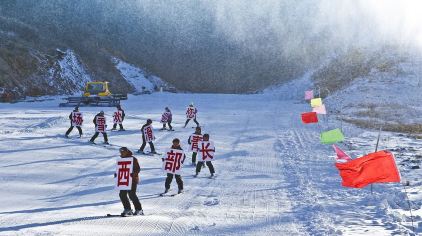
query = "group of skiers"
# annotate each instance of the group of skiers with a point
(76, 120)
(173, 159)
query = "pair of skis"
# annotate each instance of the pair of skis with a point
(121, 215)
(148, 153)
(161, 195)
(169, 194)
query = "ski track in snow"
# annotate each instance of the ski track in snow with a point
(273, 176)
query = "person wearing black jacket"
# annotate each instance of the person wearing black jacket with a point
(123, 194)
(119, 109)
(190, 140)
(169, 179)
(73, 125)
(99, 116)
(151, 145)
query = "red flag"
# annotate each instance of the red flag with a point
(341, 155)
(309, 117)
(377, 167)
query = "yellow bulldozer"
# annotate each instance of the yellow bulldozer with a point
(95, 94)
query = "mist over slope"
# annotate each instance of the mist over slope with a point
(210, 46)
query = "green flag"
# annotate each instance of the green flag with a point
(332, 136)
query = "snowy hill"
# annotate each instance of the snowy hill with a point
(273, 175)
(138, 78)
(68, 73)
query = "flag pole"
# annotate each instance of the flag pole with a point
(378, 140)
(376, 147)
(408, 202)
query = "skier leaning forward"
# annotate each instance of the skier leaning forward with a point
(172, 164)
(125, 153)
(166, 118)
(206, 151)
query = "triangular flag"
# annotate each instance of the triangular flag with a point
(309, 94)
(320, 110)
(376, 167)
(341, 155)
(332, 136)
(316, 102)
(309, 117)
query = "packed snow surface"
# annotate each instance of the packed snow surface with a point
(273, 175)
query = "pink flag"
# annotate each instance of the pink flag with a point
(320, 110)
(309, 94)
(341, 155)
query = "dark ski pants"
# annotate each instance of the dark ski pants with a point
(132, 196)
(194, 157)
(169, 123)
(194, 120)
(96, 135)
(169, 179)
(71, 128)
(151, 145)
(209, 164)
(115, 126)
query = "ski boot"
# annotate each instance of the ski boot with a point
(138, 213)
(127, 212)
(140, 152)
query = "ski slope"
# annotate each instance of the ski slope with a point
(273, 176)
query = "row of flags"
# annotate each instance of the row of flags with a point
(376, 167)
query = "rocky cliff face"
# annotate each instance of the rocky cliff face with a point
(35, 65)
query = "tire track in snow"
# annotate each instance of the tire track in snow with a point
(299, 159)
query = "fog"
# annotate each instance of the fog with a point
(223, 46)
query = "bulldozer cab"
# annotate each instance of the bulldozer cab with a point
(99, 89)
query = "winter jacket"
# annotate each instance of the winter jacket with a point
(95, 119)
(179, 148)
(123, 113)
(189, 141)
(136, 169)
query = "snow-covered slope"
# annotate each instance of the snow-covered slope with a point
(138, 78)
(273, 176)
(68, 73)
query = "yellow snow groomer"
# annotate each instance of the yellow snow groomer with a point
(95, 94)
